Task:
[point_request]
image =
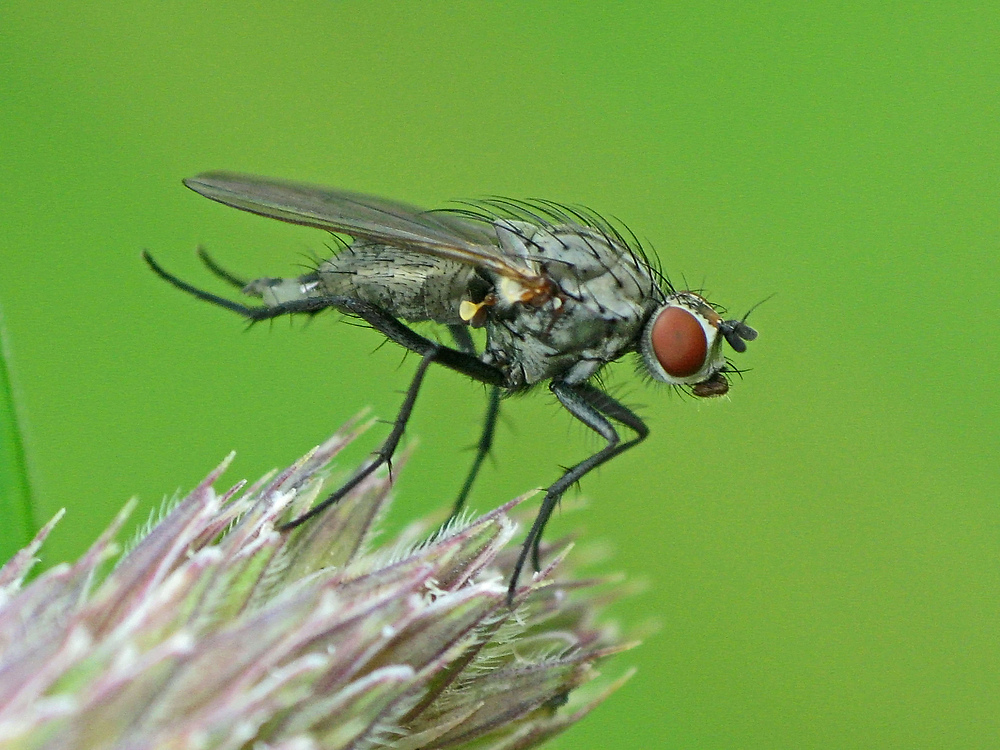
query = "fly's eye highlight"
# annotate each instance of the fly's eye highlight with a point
(678, 342)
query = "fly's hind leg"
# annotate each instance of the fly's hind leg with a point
(227, 276)
(393, 329)
(464, 342)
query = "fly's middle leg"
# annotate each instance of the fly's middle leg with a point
(463, 340)
(482, 449)
(383, 455)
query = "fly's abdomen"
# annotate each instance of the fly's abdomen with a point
(403, 283)
(406, 284)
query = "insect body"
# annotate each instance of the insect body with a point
(559, 292)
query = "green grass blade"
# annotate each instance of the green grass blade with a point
(17, 524)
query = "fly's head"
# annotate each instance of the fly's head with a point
(682, 344)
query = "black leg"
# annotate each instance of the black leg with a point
(463, 340)
(593, 407)
(462, 337)
(382, 456)
(482, 449)
(390, 327)
(230, 278)
(251, 313)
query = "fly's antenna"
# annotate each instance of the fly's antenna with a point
(737, 332)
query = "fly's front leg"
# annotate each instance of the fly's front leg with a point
(594, 408)
(464, 342)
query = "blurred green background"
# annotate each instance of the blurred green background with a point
(821, 549)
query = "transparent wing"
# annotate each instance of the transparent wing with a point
(364, 216)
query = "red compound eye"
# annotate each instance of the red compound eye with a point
(679, 342)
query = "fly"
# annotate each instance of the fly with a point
(559, 292)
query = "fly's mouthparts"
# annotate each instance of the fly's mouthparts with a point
(715, 386)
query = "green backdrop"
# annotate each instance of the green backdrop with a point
(820, 549)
